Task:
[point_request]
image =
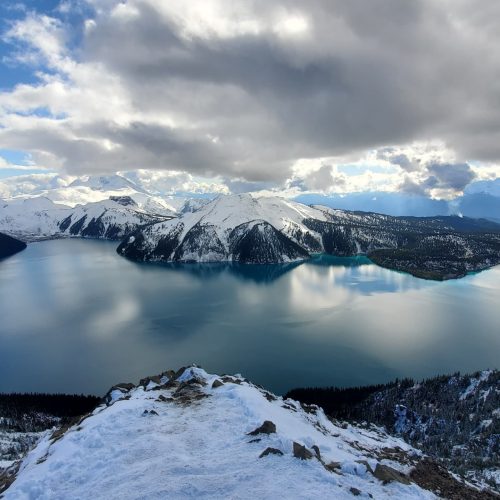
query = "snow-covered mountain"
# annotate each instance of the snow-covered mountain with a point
(193, 204)
(39, 218)
(113, 182)
(194, 435)
(243, 228)
(230, 228)
(31, 218)
(71, 191)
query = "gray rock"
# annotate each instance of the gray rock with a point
(300, 451)
(145, 381)
(270, 451)
(333, 466)
(267, 427)
(217, 383)
(387, 474)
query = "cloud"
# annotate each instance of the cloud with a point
(324, 179)
(243, 90)
(439, 180)
(455, 177)
(174, 182)
(396, 158)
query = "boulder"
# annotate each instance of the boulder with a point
(333, 466)
(267, 427)
(156, 379)
(270, 451)
(217, 383)
(387, 474)
(300, 451)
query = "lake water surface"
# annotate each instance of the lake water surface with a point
(76, 317)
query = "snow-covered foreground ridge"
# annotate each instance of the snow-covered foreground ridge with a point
(196, 435)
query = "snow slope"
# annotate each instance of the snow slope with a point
(244, 228)
(178, 436)
(31, 218)
(39, 217)
(237, 227)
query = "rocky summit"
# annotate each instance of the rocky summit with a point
(190, 434)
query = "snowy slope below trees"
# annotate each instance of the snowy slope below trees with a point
(195, 435)
(454, 418)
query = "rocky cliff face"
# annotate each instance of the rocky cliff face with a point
(242, 228)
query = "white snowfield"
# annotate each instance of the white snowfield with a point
(66, 191)
(39, 217)
(229, 211)
(182, 439)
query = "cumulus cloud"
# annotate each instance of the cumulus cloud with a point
(243, 90)
(324, 179)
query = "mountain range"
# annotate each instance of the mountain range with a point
(248, 229)
(480, 199)
(40, 218)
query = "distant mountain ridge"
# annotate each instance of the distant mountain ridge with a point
(40, 218)
(246, 229)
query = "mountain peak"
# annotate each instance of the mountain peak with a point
(190, 433)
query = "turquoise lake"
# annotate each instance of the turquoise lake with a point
(76, 317)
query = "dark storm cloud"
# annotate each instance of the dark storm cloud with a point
(454, 177)
(246, 103)
(444, 176)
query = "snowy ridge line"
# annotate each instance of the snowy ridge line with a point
(267, 230)
(190, 434)
(39, 218)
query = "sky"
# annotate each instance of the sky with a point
(286, 96)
